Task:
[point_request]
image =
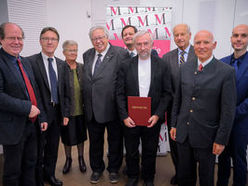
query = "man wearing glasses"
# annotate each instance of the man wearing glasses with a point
(100, 70)
(19, 109)
(51, 74)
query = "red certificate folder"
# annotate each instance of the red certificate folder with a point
(139, 109)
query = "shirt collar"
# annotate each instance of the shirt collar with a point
(45, 57)
(205, 62)
(103, 52)
(186, 50)
(239, 58)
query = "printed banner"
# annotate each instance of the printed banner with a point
(157, 20)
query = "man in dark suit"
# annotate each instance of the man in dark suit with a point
(19, 109)
(127, 34)
(100, 70)
(203, 112)
(51, 74)
(145, 76)
(237, 146)
(184, 52)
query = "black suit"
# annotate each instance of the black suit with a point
(100, 108)
(18, 134)
(172, 59)
(55, 113)
(203, 113)
(160, 93)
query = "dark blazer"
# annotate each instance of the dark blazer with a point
(99, 90)
(204, 104)
(39, 70)
(172, 58)
(15, 105)
(241, 116)
(160, 87)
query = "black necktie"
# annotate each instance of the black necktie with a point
(98, 63)
(53, 81)
(236, 66)
(181, 61)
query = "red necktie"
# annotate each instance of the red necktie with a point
(28, 86)
(200, 67)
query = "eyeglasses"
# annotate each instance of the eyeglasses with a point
(98, 38)
(71, 51)
(14, 38)
(49, 39)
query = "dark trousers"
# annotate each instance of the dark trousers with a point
(149, 138)
(173, 144)
(236, 149)
(187, 164)
(50, 143)
(115, 145)
(20, 159)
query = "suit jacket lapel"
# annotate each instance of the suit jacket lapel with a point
(134, 65)
(42, 69)
(59, 70)
(153, 71)
(243, 68)
(17, 76)
(105, 60)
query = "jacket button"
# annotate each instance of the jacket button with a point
(191, 110)
(193, 98)
(187, 123)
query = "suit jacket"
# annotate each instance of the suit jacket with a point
(172, 59)
(15, 104)
(39, 70)
(99, 90)
(241, 116)
(204, 105)
(159, 91)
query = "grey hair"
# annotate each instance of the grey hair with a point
(141, 33)
(183, 24)
(67, 43)
(92, 29)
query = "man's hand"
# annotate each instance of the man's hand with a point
(43, 126)
(34, 112)
(218, 148)
(65, 121)
(173, 133)
(153, 120)
(129, 122)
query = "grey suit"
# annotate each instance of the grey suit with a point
(101, 109)
(172, 59)
(203, 113)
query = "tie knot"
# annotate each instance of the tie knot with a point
(19, 61)
(200, 67)
(50, 59)
(99, 55)
(182, 52)
(132, 54)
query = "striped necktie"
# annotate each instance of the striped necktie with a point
(181, 59)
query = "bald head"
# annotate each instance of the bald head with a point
(239, 39)
(204, 45)
(182, 35)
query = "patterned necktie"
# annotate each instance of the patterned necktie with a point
(29, 87)
(200, 67)
(181, 60)
(98, 63)
(53, 81)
